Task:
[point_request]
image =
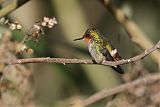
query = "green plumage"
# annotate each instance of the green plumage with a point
(100, 48)
(99, 40)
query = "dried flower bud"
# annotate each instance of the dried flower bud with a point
(29, 51)
(37, 27)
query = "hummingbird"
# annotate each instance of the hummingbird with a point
(100, 48)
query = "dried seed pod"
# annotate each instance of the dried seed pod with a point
(29, 51)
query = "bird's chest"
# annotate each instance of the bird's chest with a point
(95, 53)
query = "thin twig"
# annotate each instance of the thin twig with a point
(80, 61)
(108, 92)
(135, 33)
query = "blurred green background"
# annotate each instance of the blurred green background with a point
(54, 83)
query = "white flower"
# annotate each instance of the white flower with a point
(19, 27)
(37, 27)
(12, 26)
(50, 26)
(44, 23)
(46, 19)
(52, 22)
(48, 22)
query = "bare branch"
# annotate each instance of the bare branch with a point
(135, 33)
(80, 61)
(108, 92)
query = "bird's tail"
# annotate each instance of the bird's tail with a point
(118, 69)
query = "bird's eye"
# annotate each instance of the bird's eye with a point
(87, 35)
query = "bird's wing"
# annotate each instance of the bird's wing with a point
(113, 51)
(108, 56)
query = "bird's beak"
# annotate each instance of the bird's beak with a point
(78, 39)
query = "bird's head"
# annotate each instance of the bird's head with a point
(90, 35)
